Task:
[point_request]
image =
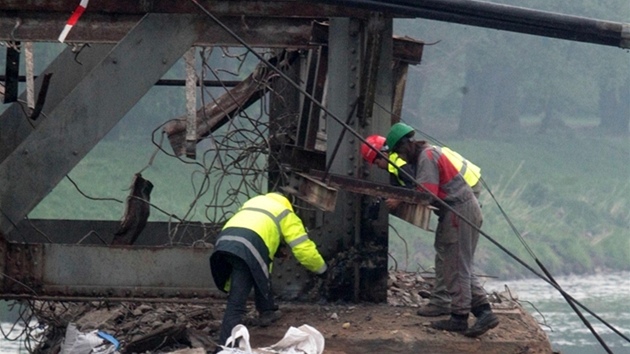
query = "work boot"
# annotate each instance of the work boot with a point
(453, 324)
(268, 317)
(433, 311)
(485, 322)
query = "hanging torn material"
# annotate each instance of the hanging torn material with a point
(191, 104)
(30, 82)
(137, 212)
(73, 19)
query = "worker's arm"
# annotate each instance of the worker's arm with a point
(302, 247)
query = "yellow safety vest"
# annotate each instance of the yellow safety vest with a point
(398, 161)
(467, 169)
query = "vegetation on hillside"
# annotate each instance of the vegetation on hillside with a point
(568, 199)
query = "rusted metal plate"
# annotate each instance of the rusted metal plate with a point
(416, 214)
(313, 192)
(408, 50)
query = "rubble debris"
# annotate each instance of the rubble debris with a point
(161, 328)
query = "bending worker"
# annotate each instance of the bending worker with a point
(470, 171)
(455, 239)
(244, 252)
(439, 300)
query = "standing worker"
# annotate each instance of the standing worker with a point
(439, 300)
(455, 239)
(244, 252)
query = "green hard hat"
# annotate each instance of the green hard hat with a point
(396, 132)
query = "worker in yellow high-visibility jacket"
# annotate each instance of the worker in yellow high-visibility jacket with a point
(244, 253)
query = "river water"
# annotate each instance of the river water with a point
(606, 295)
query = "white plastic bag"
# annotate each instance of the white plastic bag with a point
(302, 340)
(240, 333)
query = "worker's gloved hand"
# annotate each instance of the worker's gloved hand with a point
(322, 287)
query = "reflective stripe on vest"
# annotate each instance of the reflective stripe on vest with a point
(276, 219)
(250, 247)
(298, 240)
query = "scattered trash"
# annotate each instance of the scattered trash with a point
(96, 342)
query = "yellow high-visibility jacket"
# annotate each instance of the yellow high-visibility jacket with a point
(254, 234)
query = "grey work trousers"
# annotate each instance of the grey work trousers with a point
(455, 244)
(439, 295)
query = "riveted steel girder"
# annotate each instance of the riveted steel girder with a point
(72, 260)
(67, 271)
(469, 12)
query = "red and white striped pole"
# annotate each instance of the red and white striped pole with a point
(73, 19)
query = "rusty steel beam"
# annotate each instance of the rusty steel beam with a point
(469, 12)
(71, 260)
(286, 8)
(88, 271)
(374, 189)
(109, 28)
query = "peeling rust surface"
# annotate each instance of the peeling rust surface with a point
(22, 268)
